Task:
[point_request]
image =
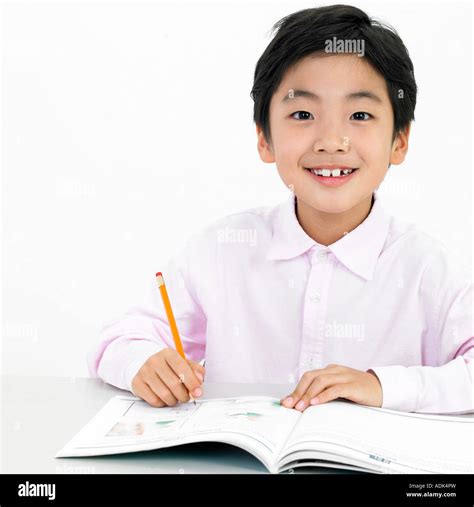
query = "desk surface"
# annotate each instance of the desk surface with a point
(41, 414)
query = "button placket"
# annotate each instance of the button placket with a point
(314, 311)
(322, 255)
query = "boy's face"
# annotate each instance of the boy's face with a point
(332, 129)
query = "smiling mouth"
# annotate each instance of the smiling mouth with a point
(332, 173)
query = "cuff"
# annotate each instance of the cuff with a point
(400, 387)
(140, 351)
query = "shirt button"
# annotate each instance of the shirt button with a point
(315, 297)
(322, 255)
(310, 363)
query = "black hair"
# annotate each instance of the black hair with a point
(307, 31)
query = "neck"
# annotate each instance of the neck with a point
(327, 228)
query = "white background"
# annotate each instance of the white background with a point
(128, 126)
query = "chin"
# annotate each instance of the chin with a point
(329, 204)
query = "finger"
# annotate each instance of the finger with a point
(334, 367)
(199, 370)
(306, 379)
(185, 376)
(332, 393)
(319, 384)
(144, 392)
(174, 382)
(199, 375)
(159, 387)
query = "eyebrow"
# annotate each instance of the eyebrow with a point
(361, 94)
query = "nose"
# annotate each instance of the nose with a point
(330, 140)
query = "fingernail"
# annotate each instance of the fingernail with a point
(300, 405)
(288, 401)
(314, 401)
(197, 392)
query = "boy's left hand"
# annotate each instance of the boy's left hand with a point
(335, 381)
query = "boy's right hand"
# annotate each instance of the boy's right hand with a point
(166, 378)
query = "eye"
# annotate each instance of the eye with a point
(359, 116)
(304, 113)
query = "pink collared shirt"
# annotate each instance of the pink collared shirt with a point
(261, 301)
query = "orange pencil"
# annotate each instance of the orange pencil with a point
(171, 320)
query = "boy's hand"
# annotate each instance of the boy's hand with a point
(167, 378)
(335, 381)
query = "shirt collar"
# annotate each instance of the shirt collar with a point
(358, 250)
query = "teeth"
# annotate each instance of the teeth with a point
(331, 172)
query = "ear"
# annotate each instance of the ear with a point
(265, 149)
(400, 146)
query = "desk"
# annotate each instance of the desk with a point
(41, 414)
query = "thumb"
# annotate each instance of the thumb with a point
(198, 369)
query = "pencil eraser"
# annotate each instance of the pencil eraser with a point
(159, 274)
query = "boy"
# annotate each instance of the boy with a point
(325, 289)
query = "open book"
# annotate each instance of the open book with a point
(338, 434)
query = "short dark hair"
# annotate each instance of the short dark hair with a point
(306, 32)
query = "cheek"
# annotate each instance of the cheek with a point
(288, 150)
(373, 148)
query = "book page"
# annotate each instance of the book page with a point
(386, 440)
(262, 421)
(257, 424)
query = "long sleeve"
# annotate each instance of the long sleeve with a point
(127, 342)
(446, 385)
